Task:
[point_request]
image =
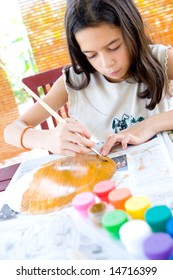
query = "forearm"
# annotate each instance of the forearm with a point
(65, 139)
(162, 122)
(140, 132)
(32, 138)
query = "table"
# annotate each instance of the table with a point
(6, 174)
(55, 235)
(50, 236)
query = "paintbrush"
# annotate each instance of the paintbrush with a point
(44, 104)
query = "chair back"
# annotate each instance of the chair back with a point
(40, 84)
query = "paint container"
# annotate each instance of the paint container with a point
(171, 257)
(158, 246)
(96, 212)
(132, 235)
(136, 206)
(81, 202)
(157, 216)
(102, 189)
(113, 220)
(118, 197)
(169, 227)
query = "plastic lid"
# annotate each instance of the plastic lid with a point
(118, 197)
(158, 246)
(171, 257)
(82, 201)
(134, 231)
(169, 227)
(136, 206)
(103, 188)
(157, 217)
(132, 235)
(113, 220)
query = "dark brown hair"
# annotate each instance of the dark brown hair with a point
(145, 68)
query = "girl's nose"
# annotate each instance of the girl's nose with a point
(107, 61)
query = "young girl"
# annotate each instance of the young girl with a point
(117, 87)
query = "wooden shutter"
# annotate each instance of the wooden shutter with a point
(8, 113)
(158, 16)
(44, 21)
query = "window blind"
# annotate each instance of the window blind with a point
(44, 21)
(158, 16)
(9, 112)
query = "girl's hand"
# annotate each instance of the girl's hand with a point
(134, 135)
(69, 139)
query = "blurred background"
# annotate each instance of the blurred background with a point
(32, 40)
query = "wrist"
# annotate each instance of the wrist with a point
(22, 136)
(155, 124)
(162, 122)
(33, 138)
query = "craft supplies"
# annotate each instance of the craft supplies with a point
(169, 227)
(158, 246)
(132, 227)
(113, 220)
(157, 216)
(82, 202)
(118, 197)
(96, 212)
(136, 206)
(132, 235)
(103, 188)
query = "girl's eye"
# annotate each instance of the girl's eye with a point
(90, 57)
(114, 49)
(111, 50)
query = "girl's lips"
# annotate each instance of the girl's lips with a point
(114, 73)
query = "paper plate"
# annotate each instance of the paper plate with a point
(14, 193)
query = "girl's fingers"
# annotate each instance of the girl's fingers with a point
(114, 139)
(124, 139)
(111, 141)
(73, 137)
(80, 140)
(74, 148)
(75, 132)
(70, 120)
(75, 127)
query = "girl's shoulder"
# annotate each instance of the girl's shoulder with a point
(159, 48)
(161, 53)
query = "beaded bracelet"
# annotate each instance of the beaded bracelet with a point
(21, 137)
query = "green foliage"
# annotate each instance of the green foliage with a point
(21, 96)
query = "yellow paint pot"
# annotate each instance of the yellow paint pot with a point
(136, 206)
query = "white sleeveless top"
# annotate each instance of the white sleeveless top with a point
(106, 108)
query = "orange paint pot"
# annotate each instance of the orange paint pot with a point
(118, 197)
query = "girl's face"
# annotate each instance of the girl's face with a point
(105, 50)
